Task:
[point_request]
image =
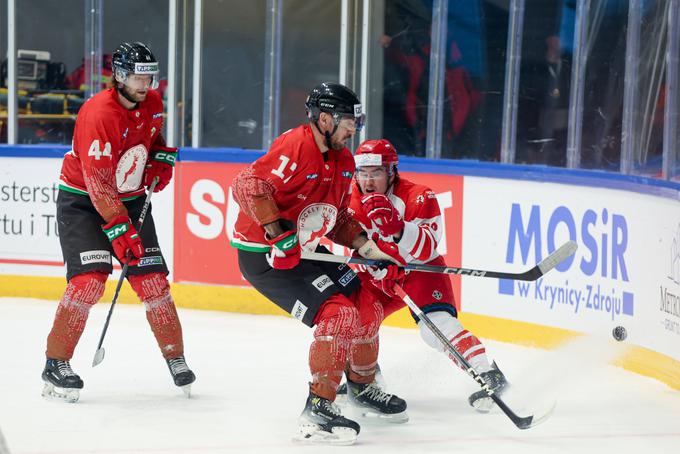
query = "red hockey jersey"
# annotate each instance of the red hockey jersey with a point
(418, 207)
(311, 189)
(111, 147)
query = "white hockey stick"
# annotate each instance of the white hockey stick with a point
(548, 263)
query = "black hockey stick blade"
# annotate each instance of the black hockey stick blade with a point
(522, 422)
(550, 262)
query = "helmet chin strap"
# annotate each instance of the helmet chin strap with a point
(326, 134)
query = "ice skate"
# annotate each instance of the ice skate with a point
(181, 374)
(372, 402)
(341, 397)
(322, 423)
(61, 383)
(497, 382)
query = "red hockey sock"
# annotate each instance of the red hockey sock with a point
(154, 291)
(82, 292)
(365, 344)
(335, 326)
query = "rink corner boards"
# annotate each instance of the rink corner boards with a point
(248, 301)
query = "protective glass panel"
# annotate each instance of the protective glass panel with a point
(545, 79)
(405, 85)
(48, 96)
(233, 73)
(310, 54)
(473, 79)
(648, 111)
(604, 85)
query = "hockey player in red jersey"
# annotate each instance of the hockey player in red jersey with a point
(393, 209)
(117, 151)
(290, 198)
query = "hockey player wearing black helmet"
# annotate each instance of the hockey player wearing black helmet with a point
(336, 113)
(135, 71)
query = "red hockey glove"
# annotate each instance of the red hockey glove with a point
(285, 251)
(379, 209)
(377, 249)
(124, 238)
(160, 165)
(385, 278)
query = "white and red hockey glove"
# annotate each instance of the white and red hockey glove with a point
(379, 209)
(385, 278)
(160, 165)
(285, 251)
(377, 249)
(124, 238)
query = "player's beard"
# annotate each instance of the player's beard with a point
(133, 95)
(337, 145)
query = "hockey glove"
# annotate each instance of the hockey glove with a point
(377, 249)
(385, 278)
(379, 209)
(127, 245)
(160, 165)
(285, 251)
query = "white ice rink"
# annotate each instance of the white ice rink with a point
(251, 386)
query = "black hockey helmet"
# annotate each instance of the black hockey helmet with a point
(337, 100)
(135, 58)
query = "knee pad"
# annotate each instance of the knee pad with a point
(84, 290)
(337, 318)
(153, 289)
(447, 324)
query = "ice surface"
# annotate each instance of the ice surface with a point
(252, 383)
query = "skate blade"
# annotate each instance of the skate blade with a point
(313, 434)
(186, 389)
(376, 416)
(54, 393)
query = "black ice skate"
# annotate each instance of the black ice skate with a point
(61, 383)
(341, 398)
(181, 374)
(372, 402)
(497, 382)
(321, 422)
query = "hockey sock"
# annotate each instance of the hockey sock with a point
(82, 292)
(365, 344)
(154, 291)
(462, 340)
(336, 323)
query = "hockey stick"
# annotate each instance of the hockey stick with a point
(548, 263)
(99, 354)
(521, 422)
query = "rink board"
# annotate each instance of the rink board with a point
(626, 271)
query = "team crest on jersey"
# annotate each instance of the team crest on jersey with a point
(130, 168)
(437, 295)
(314, 222)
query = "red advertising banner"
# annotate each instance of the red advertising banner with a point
(205, 213)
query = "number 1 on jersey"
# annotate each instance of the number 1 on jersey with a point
(96, 152)
(279, 172)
